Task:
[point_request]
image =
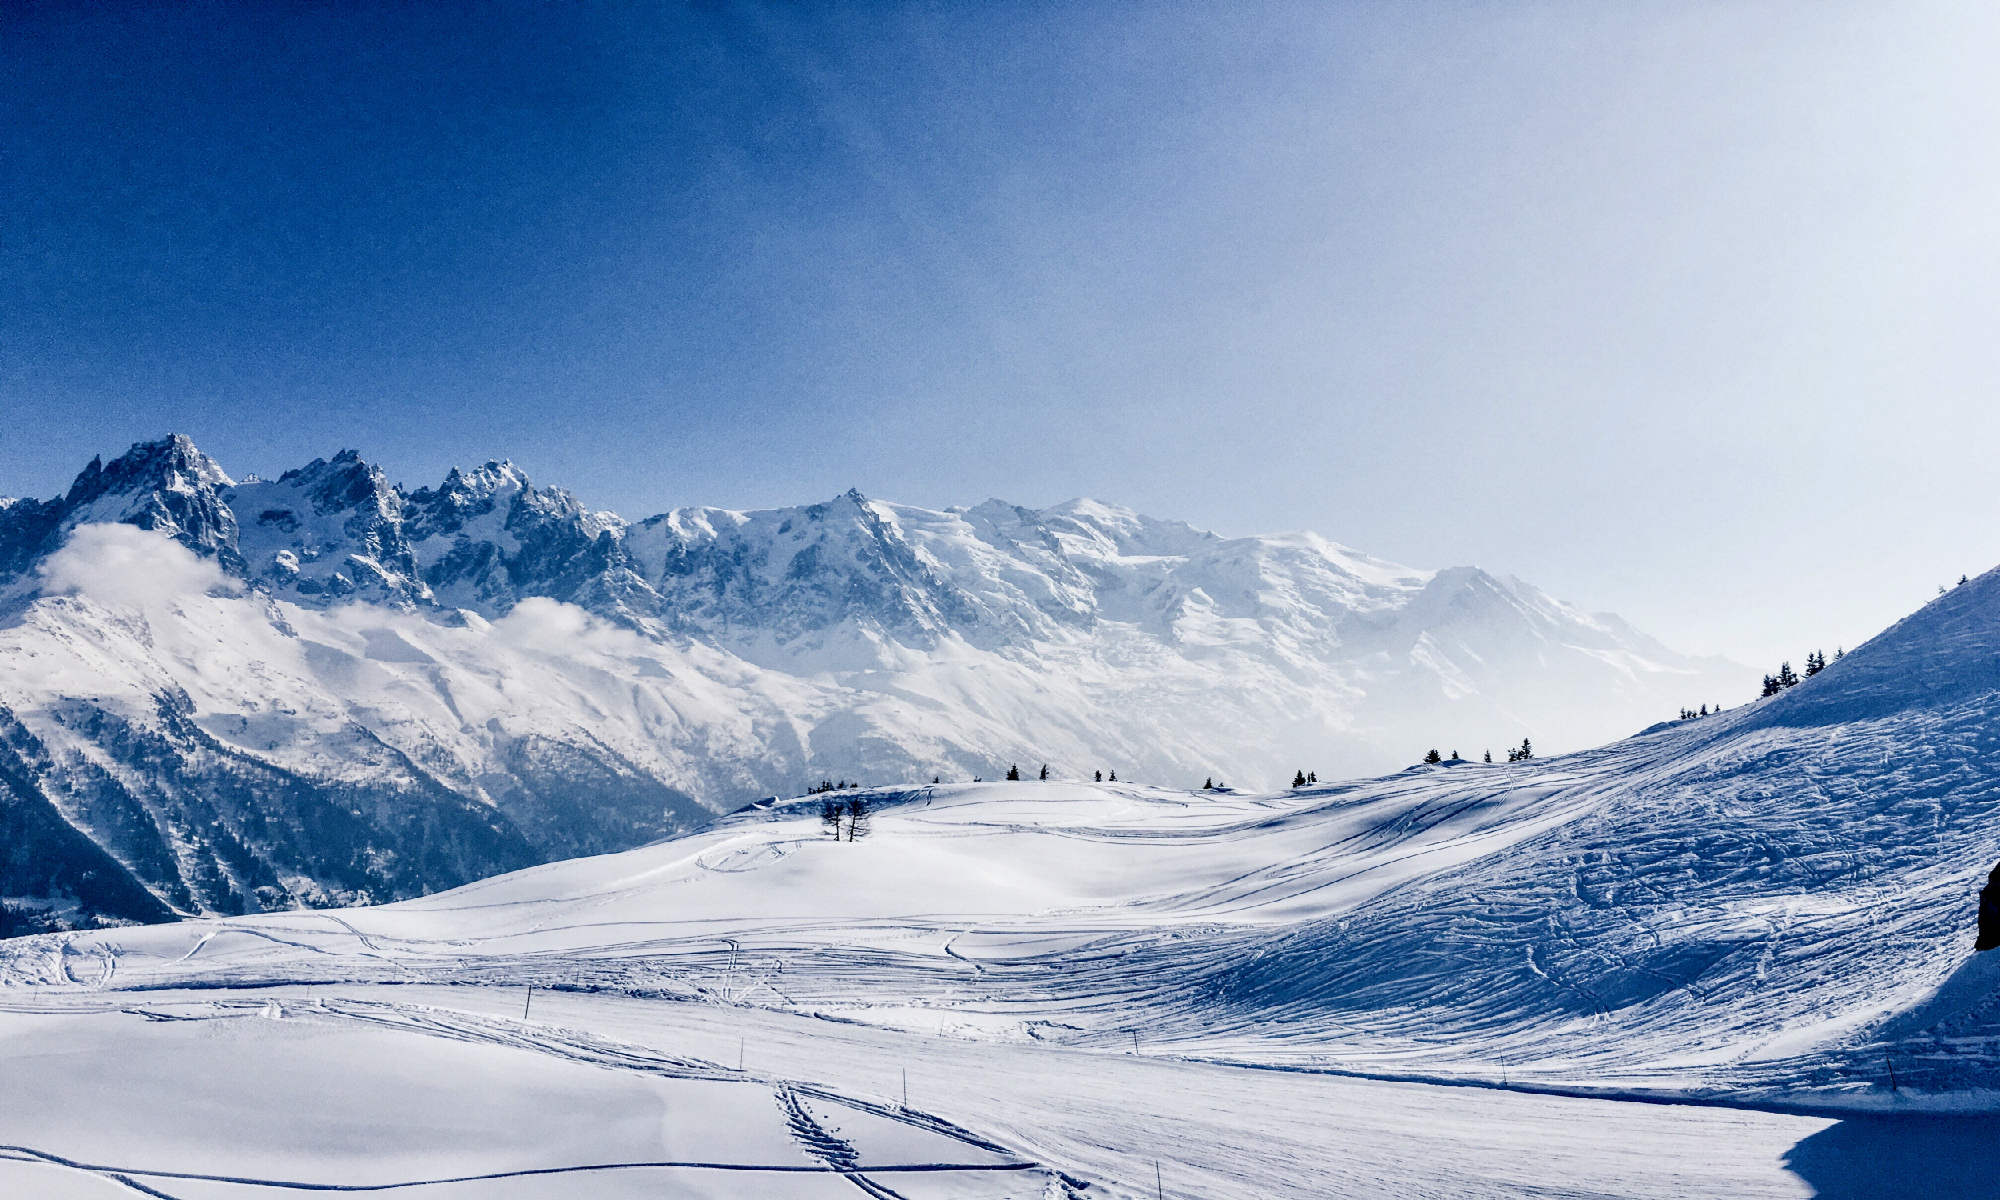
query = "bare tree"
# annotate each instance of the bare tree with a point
(846, 819)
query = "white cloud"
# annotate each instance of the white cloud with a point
(553, 627)
(127, 567)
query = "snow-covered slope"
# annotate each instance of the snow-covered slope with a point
(1780, 896)
(1773, 906)
(224, 696)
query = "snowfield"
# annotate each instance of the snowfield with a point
(1727, 957)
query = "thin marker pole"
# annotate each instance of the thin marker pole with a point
(528, 1003)
(1159, 1189)
(906, 1089)
(739, 1053)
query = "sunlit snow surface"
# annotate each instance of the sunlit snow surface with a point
(1466, 980)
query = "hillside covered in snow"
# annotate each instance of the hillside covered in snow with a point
(1769, 911)
(226, 696)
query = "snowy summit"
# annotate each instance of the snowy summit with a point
(230, 696)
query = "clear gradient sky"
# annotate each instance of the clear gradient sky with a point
(1686, 311)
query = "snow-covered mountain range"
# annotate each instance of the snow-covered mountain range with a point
(221, 695)
(1769, 909)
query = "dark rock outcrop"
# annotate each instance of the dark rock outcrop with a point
(1989, 913)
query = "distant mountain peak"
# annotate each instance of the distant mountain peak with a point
(470, 675)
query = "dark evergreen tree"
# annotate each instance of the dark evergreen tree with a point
(1045, 772)
(1786, 676)
(1527, 749)
(1433, 757)
(1114, 777)
(1312, 776)
(1770, 686)
(1208, 785)
(1489, 756)
(1099, 776)
(1013, 774)
(1299, 780)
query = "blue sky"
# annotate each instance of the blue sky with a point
(1683, 311)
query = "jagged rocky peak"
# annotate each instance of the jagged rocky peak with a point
(790, 572)
(174, 463)
(497, 496)
(486, 538)
(331, 529)
(169, 486)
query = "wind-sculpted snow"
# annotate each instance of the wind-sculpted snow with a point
(469, 677)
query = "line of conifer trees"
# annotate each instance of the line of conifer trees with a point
(1816, 661)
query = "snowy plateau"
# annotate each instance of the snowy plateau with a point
(222, 696)
(1722, 957)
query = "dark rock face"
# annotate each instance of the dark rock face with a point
(1989, 913)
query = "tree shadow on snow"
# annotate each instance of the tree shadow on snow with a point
(1932, 1157)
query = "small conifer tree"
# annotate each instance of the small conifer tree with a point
(1013, 773)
